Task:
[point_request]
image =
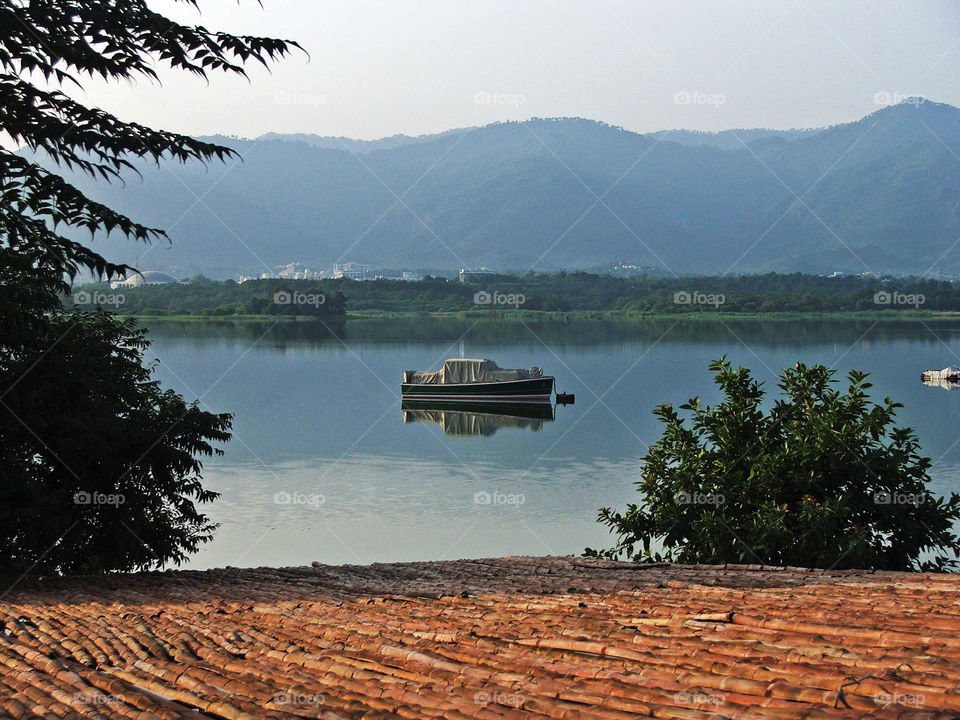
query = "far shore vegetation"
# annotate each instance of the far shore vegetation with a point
(577, 296)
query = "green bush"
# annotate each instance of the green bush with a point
(101, 466)
(821, 480)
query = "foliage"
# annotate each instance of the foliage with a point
(79, 411)
(62, 41)
(821, 480)
(645, 294)
(98, 453)
(576, 292)
(297, 298)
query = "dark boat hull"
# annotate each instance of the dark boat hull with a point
(531, 390)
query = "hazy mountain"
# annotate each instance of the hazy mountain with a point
(730, 139)
(882, 193)
(350, 144)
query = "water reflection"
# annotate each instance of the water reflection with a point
(559, 332)
(941, 383)
(947, 379)
(476, 419)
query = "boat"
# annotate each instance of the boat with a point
(463, 418)
(950, 374)
(477, 380)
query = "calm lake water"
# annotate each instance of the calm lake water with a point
(323, 466)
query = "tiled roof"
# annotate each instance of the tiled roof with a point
(502, 639)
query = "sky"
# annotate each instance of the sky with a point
(376, 69)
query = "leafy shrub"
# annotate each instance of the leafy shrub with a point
(101, 466)
(821, 480)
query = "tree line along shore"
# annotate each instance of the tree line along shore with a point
(577, 294)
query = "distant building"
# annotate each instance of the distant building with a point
(296, 271)
(353, 271)
(147, 277)
(398, 275)
(467, 275)
(290, 271)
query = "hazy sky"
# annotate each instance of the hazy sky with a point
(380, 68)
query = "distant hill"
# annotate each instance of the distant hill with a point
(730, 139)
(350, 144)
(881, 193)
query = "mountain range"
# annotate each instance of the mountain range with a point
(879, 194)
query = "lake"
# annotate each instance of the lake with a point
(324, 467)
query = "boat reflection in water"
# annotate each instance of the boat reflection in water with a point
(943, 383)
(948, 378)
(462, 418)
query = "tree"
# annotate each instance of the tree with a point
(62, 40)
(80, 418)
(97, 452)
(821, 480)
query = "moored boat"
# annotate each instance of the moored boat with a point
(477, 381)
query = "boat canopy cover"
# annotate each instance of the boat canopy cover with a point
(460, 370)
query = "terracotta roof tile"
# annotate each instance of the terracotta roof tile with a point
(502, 639)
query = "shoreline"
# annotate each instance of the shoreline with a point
(565, 316)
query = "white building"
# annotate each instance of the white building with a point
(353, 271)
(147, 277)
(404, 275)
